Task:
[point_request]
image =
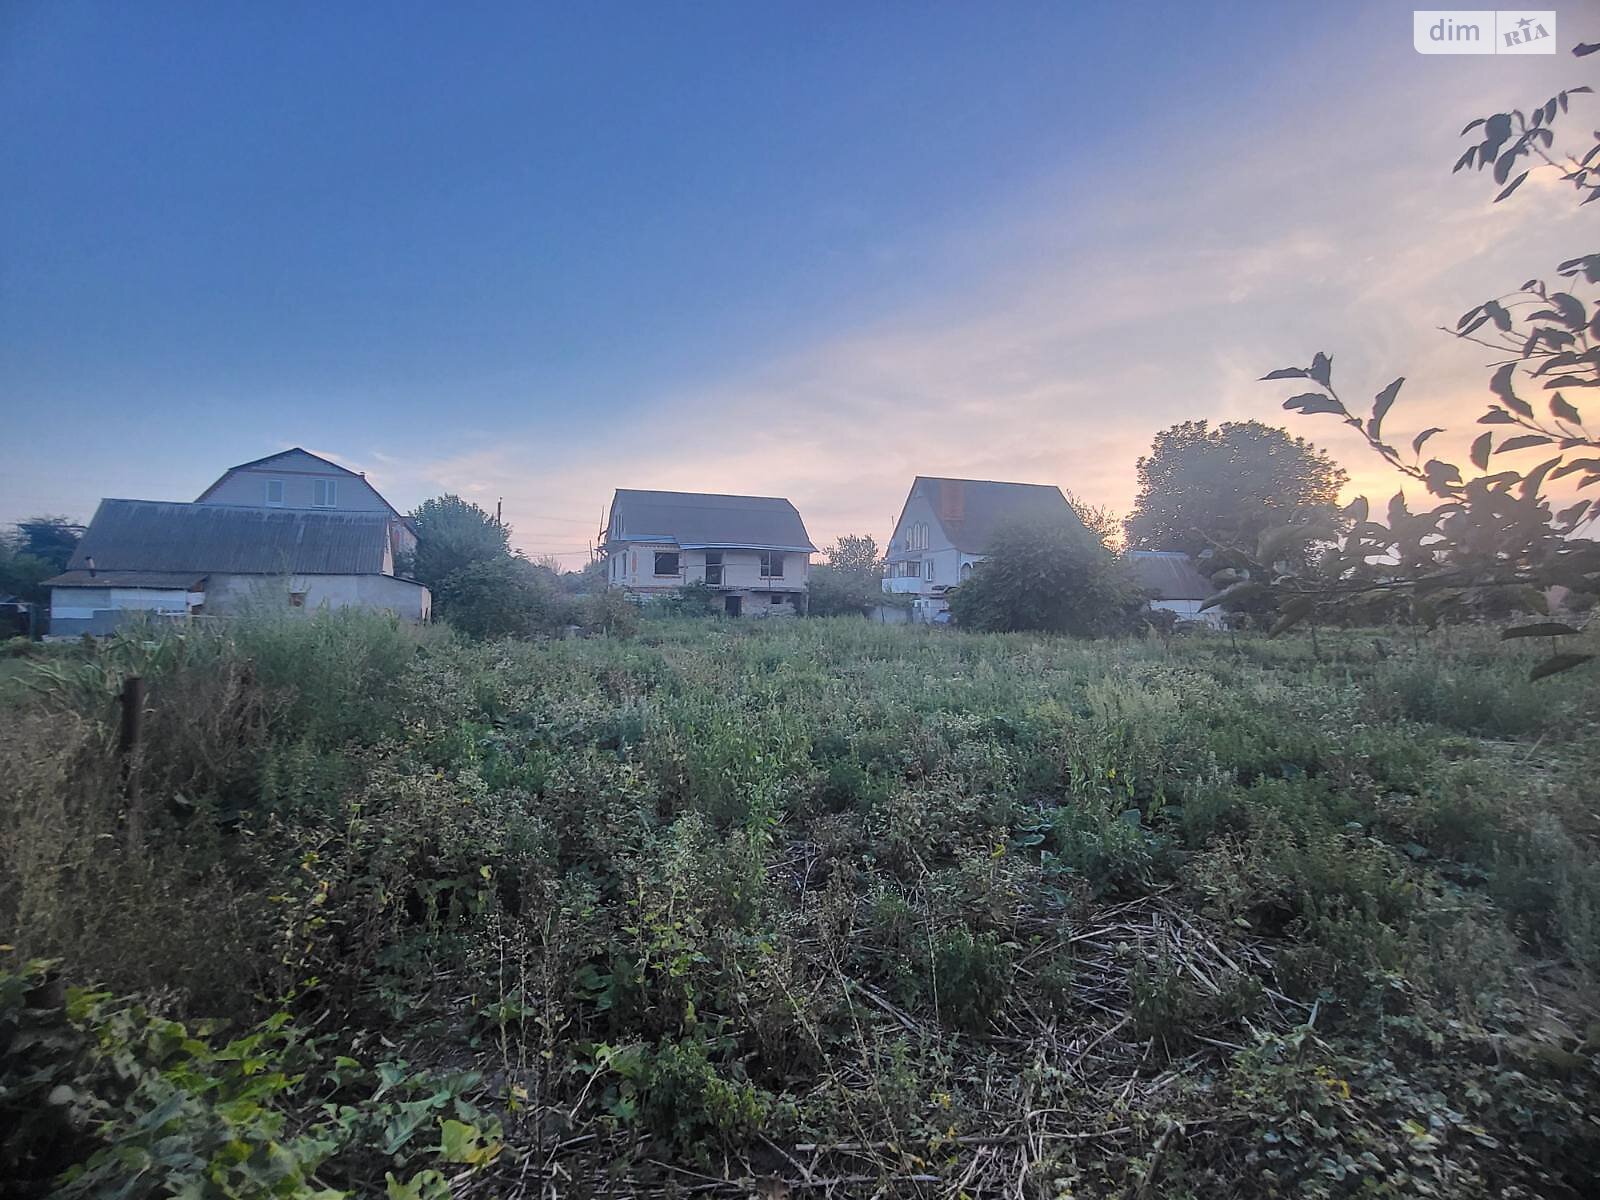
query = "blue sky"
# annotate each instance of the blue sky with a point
(538, 252)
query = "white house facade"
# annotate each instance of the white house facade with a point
(752, 551)
(944, 531)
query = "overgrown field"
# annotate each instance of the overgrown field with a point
(799, 909)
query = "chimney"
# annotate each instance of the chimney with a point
(952, 500)
(90, 563)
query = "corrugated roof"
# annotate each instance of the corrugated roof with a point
(1169, 575)
(172, 580)
(707, 519)
(160, 536)
(970, 510)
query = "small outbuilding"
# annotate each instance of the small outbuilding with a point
(1174, 584)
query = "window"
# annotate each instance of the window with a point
(666, 562)
(713, 568)
(771, 564)
(323, 493)
(777, 597)
(927, 570)
(297, 599)
(274, 491)
(966, 571)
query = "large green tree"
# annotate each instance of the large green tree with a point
(453, 534)
(1203, 487)
(39, 548)
(849, 580)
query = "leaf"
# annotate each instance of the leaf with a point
(1535, 478)
(1540, 629)
(1286, 373)
(1465, 160)
(1440, 475)
(1497, 416)
(1570, 516)
(1291, 614)
(1471, 125)
(1558, 663)
(1416, 442)
(1510, 187)
(1500, 385)
(1314, 402)
(1480, 451)
(1503, 164)
(1564, 411)
(1497, 313)
(1321, 369)
(1581, 50)
(1356, 510)
(1571, 309)
(1248, 587)
(1522, 443)
(1275, 540)
(1381, 405)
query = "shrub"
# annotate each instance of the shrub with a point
(1050, 576)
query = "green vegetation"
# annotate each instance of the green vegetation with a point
(778, 907)
(1050, 575)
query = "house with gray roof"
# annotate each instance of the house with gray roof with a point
(153, 558)
(945, 527)
(753, 551)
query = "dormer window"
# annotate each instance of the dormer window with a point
(275, 493)
(324, 493)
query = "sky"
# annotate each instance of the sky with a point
(530, 253)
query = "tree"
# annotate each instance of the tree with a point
(1099, 520)
(850, 581)
(1046, 574)
(452, 534)
(1495, 539)
(40, 548)
(1201, 487)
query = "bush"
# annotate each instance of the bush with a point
(1050, 576)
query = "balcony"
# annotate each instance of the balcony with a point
(908, 585)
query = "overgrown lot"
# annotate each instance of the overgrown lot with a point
(799, 908)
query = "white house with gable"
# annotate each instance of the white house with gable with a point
(753, 551)
(944, 530)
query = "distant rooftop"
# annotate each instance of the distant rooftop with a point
(708, 519)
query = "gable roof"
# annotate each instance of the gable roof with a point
(1169, 575)
(970, 510)
(261, 462)
(165, 538)
(708, 520)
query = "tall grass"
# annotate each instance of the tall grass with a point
(832, 880)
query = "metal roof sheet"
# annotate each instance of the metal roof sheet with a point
(1169, 575)
(702, 519)
(160, 536)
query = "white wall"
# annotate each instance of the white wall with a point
(298, 473)
(632, 565)
(236, 594)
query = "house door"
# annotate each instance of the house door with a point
(731, 604)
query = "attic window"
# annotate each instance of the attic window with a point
(275, 491)
(772, 564)
(324, 493)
